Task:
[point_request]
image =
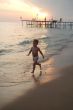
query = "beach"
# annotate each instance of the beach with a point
(54, 95)
(53, 90)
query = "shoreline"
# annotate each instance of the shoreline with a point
(53, 90)
(54, 95)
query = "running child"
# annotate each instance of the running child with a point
(34, 50)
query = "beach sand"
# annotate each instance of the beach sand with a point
(54, 95)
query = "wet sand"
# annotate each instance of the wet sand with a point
(54, 95)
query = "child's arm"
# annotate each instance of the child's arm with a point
(41, 53)
(30, 52)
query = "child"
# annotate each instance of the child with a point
(35, 51)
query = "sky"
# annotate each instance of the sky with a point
(28, 9)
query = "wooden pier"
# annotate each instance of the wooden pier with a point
(47, 23)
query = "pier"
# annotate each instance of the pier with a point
(47, 23)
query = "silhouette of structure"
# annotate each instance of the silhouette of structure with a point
(47, 23)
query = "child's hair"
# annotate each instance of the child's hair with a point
(35, 41)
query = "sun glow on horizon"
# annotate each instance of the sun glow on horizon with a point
(25, 9)
(39, 14)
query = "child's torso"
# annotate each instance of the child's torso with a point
(35, 51)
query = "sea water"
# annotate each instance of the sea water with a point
(15, 43)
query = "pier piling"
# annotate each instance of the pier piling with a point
(48, 24)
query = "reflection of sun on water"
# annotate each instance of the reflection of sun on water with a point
(48, 74)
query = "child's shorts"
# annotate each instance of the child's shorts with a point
(35, 59)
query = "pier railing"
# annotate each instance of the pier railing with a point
(47, 24)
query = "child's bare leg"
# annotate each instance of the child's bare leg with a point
(34, 64)
(39, 65)
(40, 68)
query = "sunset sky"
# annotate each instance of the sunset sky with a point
(13, 9)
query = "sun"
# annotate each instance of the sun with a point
(39, 15)
(42, 15)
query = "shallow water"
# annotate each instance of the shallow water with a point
(15, 43)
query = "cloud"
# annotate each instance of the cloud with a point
(29, 8)
(58, 8)
(3, 1)
(16, 8)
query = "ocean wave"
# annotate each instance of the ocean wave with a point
(23, 43)
(29, 41)
(4, 51)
